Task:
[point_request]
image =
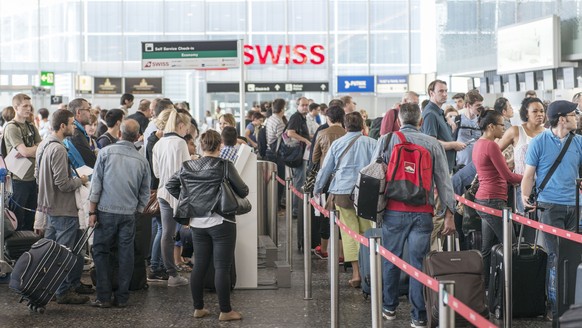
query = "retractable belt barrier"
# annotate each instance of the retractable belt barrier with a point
(462, 309)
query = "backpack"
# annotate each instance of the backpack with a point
(409, 173)
(375, 128)
(28, 139)
(262, 141)
(368, 194)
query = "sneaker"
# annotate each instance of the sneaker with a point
(118, 304)
(200, 313)
(418, 323)
(99, 304)
(177, 281)
(70, 297)
(388, 315)
(322, 255)
(157, 276)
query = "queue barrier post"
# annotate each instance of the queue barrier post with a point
(507, 264)
(307, 245)
(289, 219)
(5, 268)
(274, 197)
(376, 277)
(446, 313)
(333, 260)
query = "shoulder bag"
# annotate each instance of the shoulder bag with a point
(230, 203)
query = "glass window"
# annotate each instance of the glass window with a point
(389, 48)
(143, 16)
(103, 16)
(350, 14)
(352, 49)
(184, 16)
(60, 49)
(267, 16)
(389, 15)
(104, 48)
(307, 16)
(226, 16)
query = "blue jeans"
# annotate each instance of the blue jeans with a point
(563, 217)
(213, 244)
(298, 181)
(167, 240)
(492, 231)
(63, 230)
(25, 194)
(396, 229)
(113, 228)
(156, 262)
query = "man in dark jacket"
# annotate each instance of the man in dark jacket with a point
(80, 152)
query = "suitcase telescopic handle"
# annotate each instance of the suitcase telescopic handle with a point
(84, 239)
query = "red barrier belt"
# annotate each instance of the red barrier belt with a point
(422, 277)
(466, 312)
(478, 207)
(281, 181)
(319, 207)
(359, 238)
(523, 220)
(296, 192)
(547, 228)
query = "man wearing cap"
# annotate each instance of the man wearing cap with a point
(558, 198)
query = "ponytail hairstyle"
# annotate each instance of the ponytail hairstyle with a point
(488, 117)
(174, 119)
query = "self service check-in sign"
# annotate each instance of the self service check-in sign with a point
(356, 84)
(189, 55)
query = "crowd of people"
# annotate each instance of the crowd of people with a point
(157, 153)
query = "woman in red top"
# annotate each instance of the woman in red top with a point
(494, 175)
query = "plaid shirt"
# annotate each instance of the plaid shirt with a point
(229, 152)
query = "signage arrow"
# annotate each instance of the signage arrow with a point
(323, 87)
(277, 87)
(43, 78)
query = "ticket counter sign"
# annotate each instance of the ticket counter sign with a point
(189, 55)
(355, 84)
(391, 83)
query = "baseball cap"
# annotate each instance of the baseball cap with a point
(560, 108)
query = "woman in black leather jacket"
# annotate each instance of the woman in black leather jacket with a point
(197, 186)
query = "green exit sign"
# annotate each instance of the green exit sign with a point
(47, 79)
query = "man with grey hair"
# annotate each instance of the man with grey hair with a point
(413, 223)
(390, 121)
(120, 189)
(79, 150)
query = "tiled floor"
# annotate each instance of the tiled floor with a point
(160, 306)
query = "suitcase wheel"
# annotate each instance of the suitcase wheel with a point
(498, 313)
(33, 308)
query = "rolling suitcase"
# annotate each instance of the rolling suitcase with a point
(568, 259)
(529, 263)
(467, 273)
(19, 243)
(39, 272)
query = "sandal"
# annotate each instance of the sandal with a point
(355, 283)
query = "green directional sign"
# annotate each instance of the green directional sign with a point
(47, 79)
(221, 54)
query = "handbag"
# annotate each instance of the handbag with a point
(230, 203)
(291, 155)
(152, 208)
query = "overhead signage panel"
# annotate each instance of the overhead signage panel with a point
(357, 84)
(143, 85)
(270, 87)
(189, 55)
(391, 84)
(107, 85)
(47, 79)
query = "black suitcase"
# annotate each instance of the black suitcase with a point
(474, 240)
(572, 318)
(528, 286)
(467, 273)
(19, 243)
(39, 272)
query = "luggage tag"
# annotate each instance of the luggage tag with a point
(321, 202)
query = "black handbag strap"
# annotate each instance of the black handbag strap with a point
(556, 163)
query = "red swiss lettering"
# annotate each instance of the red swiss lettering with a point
(248, 53)
(300, 58)
(299, 54)
(269, 52)
(317, 52)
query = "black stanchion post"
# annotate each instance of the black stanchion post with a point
(507, 264)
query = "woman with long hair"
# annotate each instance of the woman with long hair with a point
(494, 175)
(197, 185)
(168, 155)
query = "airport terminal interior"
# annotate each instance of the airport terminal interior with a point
(234, 56)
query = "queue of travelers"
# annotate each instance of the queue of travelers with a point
(157, 153)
